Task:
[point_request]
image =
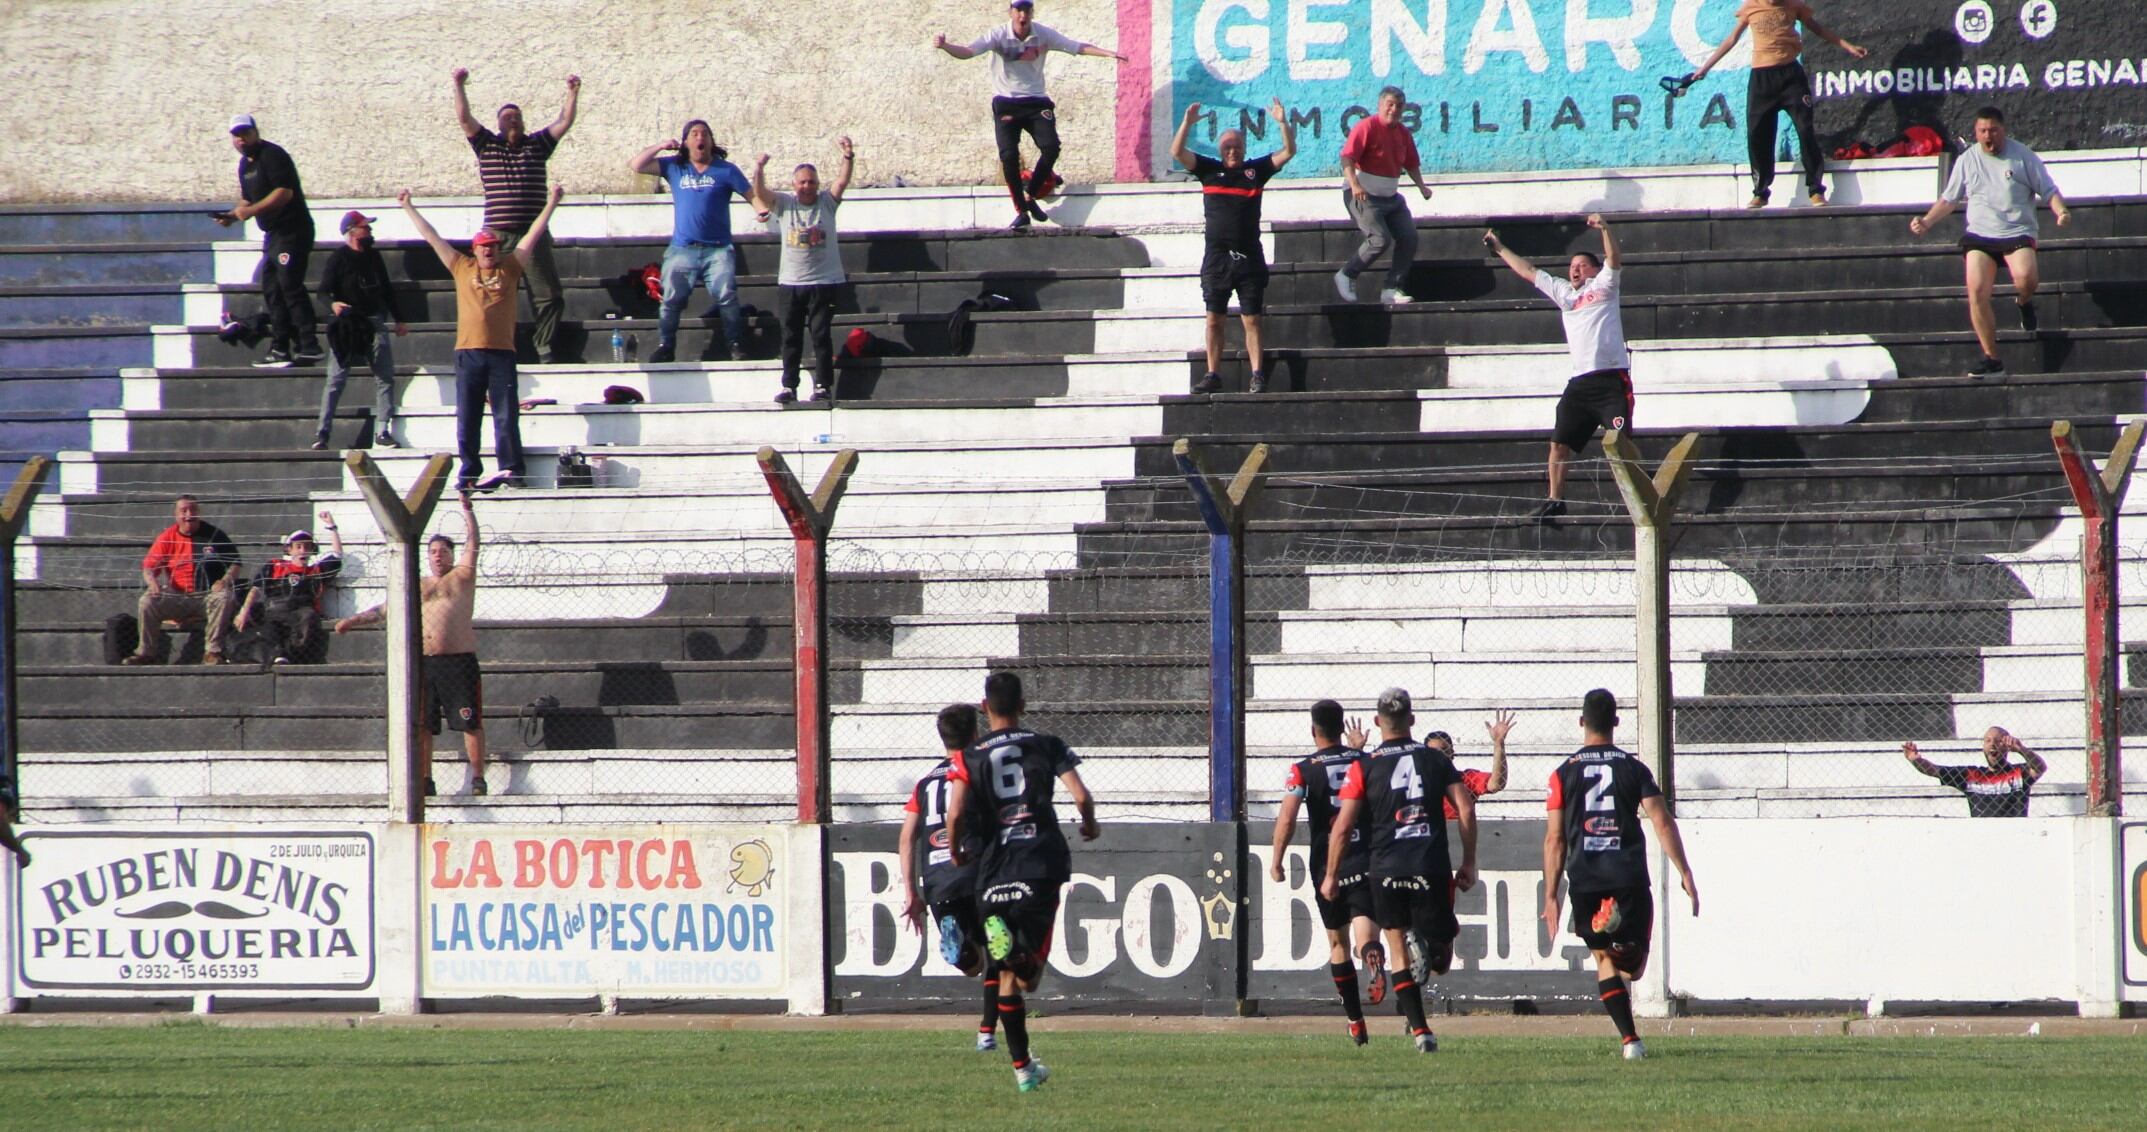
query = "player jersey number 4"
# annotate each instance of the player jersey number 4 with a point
(1402, 784)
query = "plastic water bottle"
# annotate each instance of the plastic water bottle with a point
(618, 346)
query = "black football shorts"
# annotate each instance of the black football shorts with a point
(1602, 399)
(1621, 923)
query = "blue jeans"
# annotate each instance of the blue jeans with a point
(481, 376)
(711, 267)
(382, 360)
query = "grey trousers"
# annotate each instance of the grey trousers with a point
(1386, 223)
(547, 299)
(383, 365)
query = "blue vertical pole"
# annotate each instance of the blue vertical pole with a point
(1226, 754)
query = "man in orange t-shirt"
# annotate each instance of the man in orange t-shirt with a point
(1778, 84)
(486, 284)
(1378, 152)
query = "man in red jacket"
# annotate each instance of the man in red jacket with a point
(187, 573)
(1378, 152)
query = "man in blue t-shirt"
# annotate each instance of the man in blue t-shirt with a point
(702, 184)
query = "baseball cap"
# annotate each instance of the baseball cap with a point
(294, 536)
(242, 122)
(484, 236)
(353, 218)
(1021, 4)
(1394, 702)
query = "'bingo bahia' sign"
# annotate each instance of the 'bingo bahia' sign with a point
(563, 911)
(226, 912)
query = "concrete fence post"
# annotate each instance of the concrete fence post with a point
(2099, 496)
(14, 517)
(1223, 508)
(810, 517)
(402, 519)
(1652, 502)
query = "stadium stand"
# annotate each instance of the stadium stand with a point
(1874, 549)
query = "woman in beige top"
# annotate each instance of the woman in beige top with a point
(1778, 84)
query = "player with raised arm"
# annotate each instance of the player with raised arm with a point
(1593, 838)
(949, 889)
(1999, 788)
(1002, 786)
(1478, 782)
(1312, 786)
(1391, 790)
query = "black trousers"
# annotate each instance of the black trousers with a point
(296, 632)
(1775, 90)
(809, 309)
(1037, 117)
(283, 289)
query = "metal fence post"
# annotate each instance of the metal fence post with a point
(402, 519)
(1223, 507)
(2099, 496)
(14, 516)
(810, 517)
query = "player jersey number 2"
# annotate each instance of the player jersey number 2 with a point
(1600, 782)
(1008, 781)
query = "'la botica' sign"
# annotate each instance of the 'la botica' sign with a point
(158, 912)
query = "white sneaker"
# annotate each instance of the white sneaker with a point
(1636, 1050)
(1028, 1079)
(987, 1041)
(1345, 287)
(1427, 1042)
(1392, 297)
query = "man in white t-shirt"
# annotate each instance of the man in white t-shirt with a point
(810, 273)
(2000, 181)
(1018, 103)
(1601, 391)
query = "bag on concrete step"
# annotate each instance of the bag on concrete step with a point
(122, 636)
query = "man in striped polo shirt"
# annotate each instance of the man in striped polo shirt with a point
(511, 165)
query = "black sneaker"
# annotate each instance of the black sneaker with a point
(276, 358)
(823, 393)
(1211, 382)
(1021, 220)
(429, 790)
(738, 353)
(1988, 367)
(386, 439)
(1259, 383)
(664, 353)
(786, 396)
(307, 356)
(320, 442)
(478, 788)
(2028, 321)
(1035, 212)
(1551, 509)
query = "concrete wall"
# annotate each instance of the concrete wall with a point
(117, 100)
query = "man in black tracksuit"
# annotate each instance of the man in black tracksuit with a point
(270, 196)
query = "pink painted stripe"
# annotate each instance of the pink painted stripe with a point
(1136, 90)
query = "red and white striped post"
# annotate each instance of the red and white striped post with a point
(810, 518)
(2099, 495)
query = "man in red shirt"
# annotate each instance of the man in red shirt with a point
(1478, 783)
(1378, 152)
(187, 573)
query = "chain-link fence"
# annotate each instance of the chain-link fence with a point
(175, 657)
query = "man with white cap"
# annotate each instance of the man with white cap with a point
(362, 327)
(287, 592)
(485, 285)
(270, 195)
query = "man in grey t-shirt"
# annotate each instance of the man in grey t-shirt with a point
(1018, 104)
(810, 273)
(2000, 181)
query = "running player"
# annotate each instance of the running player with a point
(1412, 887)
(949, 889)
(1594, 838)
(1004, 781)
(1311, 785)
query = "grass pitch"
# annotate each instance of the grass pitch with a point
(190, 1075)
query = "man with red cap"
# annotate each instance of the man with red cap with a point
(485, 285)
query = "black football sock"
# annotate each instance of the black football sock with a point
(1619, 1005)
(990, 1021)
(1409, 999)
(1345, 984)
(1014, 1014)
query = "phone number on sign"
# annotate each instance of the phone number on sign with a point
(160, 972)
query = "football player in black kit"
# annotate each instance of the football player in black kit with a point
(1395, 788)
(947, 888)
(1313, 785)
(1002, 788)
(1594, 838)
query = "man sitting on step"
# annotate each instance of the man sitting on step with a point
(1601, 392)
(287, 593)
(187, 573)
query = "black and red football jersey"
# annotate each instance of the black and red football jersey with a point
(938, 877)
(1402, 783)
(1597, 795)
(1317, 778)
(2001, 793)
(1012, 776)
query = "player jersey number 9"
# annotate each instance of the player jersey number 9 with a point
(1008, 781)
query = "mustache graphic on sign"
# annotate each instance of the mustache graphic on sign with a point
(173, 909)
